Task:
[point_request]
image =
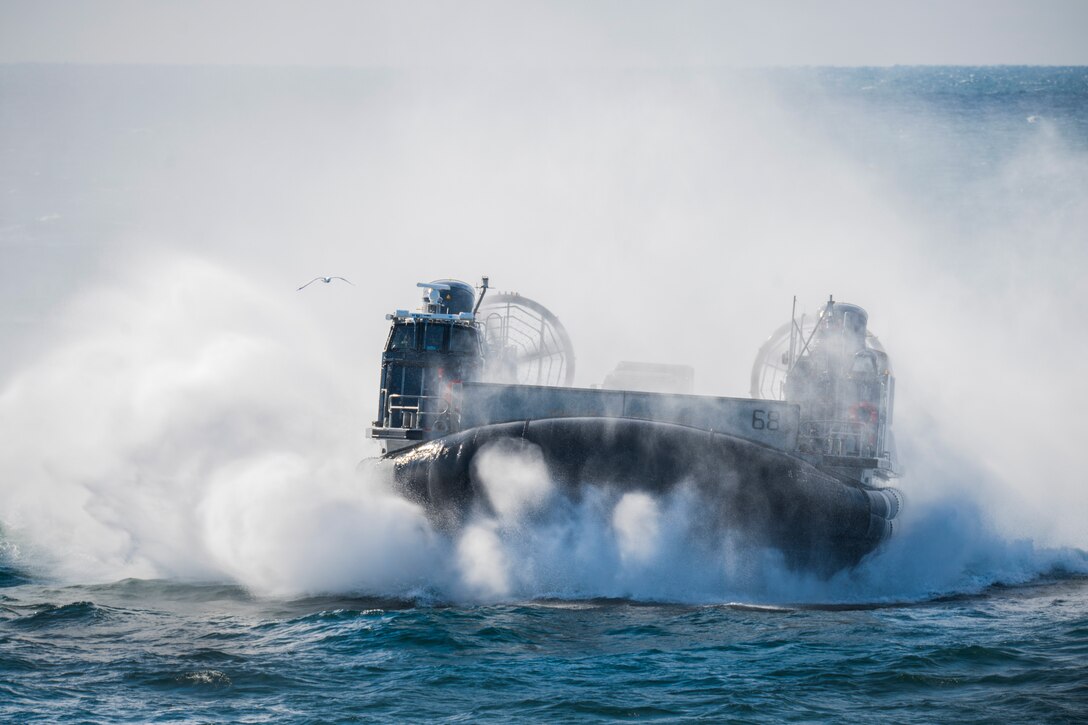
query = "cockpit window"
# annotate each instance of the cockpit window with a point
(855, 326)
(403, 338)
(463, 340)
(432, 337)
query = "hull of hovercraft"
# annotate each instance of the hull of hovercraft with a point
(749, 494)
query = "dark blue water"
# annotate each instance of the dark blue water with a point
(182, 558)
(151, 651)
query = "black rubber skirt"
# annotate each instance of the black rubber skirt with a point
(749, 492)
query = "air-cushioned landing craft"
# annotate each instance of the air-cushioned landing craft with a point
(801, 467)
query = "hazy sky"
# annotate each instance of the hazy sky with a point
(564, 33)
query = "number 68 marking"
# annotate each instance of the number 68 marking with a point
(765, 419)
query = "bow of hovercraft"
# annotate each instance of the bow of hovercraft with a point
(801, 466)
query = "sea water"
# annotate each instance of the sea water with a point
(184, 533)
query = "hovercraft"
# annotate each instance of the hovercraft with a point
(800, 468)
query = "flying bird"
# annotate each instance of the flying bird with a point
(326, 280)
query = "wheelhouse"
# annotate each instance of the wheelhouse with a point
(845, 392)
(427, 355)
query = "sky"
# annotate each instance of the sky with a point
(565, 33)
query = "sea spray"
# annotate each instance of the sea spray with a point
(160, 401)
(115, 437)
(195, 429)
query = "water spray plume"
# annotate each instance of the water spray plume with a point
(178, 417)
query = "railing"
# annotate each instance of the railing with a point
(837, 438)
(414, 416)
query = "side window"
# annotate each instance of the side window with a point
(864, 362)
(463, 340)
(432, 337)
(855, 325)
(403, 338)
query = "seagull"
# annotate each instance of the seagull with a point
(326, 280)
